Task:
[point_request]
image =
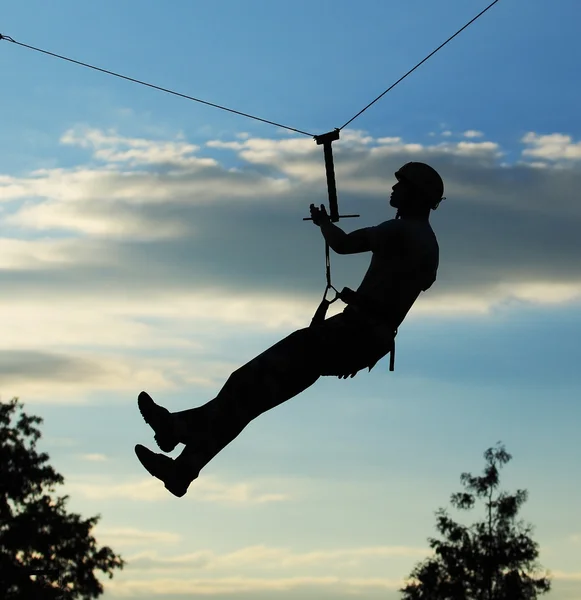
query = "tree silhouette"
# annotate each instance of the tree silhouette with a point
(37, 535)
(494, 559)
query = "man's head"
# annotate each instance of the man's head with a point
(418, 190)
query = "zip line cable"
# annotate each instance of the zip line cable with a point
(9, 39)
(168, 91)
(419, 64)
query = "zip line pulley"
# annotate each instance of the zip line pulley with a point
(326, 140)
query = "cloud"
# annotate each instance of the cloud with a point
(206, 489)
(292, 158)
(472, 133)
(552, 147)
(207, 572)
(143, 490)
(66, 378)
(566, 576)
(127, 537)
(240, 585)
(144, 342)
(153, 248)
(94, 457)
(314, 586)
(110, 147)
(269, 558)
(479, 148)
(389, 140)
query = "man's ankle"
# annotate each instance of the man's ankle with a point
(190, 464)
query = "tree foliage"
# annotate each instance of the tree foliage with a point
(36, 531)
(493, 559)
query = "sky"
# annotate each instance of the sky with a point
(148, 242)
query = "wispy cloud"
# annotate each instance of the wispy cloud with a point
(269, 558)
(66, 379)
(94, 457)
(58, 442)
(566, 576)
(126, 537)
(206, 489)
(240, 585)
(328, 571)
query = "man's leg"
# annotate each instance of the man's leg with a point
(338, 347)
(278, 374)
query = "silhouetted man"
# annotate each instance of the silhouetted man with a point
(404, 263)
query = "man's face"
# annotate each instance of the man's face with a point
(400, 192)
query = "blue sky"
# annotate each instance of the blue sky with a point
(149, 242)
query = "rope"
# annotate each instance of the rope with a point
(330, 286)
(168, 91)
(419, 64)
(328, 265)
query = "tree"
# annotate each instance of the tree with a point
(36, 532)
(494, 559)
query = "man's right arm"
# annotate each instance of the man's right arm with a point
(347, 243)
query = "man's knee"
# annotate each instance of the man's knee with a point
(299, 346)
